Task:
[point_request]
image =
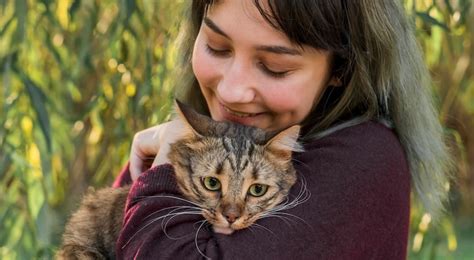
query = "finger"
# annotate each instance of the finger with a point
(171, 132)
(135, 166)
(161, 158)
(144, 147)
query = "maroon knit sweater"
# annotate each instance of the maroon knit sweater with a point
(359, 182)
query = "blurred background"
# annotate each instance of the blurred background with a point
(79, 77)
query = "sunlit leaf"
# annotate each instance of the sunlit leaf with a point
(52, 49)
(15, 231)
(6, 26)
(430, 20)
(92, 73)
(38, 101)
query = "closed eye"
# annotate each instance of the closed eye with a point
(223, 53)
(216, 52)
(272, 73)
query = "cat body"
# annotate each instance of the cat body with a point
(93, 229)
(235, 174)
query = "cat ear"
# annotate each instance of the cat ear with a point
(285, 142)
(194, 121)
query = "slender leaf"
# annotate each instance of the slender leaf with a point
(6, 26)
(21, 11)
(73, 8)
(430, 20)
(38, 101)
(449, 7)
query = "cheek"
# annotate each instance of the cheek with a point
(204, 67)
(288, 99)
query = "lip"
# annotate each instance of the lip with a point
(238, 113)
(239, 117)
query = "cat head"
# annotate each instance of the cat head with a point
(235, 173)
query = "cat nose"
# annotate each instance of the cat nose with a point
(231, 217)
(231, 213)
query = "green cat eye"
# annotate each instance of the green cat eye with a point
(258, 190)
(211, 183)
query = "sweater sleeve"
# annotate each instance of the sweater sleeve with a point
(124, 178)
(358, 208)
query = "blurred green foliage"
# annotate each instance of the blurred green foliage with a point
(79, 77)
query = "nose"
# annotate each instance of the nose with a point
(231, 217)
(231, 213)
(237, 84)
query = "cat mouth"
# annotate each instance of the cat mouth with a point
(223, 230)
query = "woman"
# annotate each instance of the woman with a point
(351, 73)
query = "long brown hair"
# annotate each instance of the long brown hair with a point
(380, 65)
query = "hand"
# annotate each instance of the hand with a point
(153, 144)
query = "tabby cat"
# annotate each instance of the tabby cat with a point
(236, 174)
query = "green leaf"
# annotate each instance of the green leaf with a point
(5, 162)
(38, 100)
(430, 20)
(73, 8)
(35, 196)
(6, 26)
(21, 11)
(449, 6)
(130, 7)
(52, 49)
(14, 233)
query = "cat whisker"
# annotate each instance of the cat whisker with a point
(292, 204)
(262, 227)
(149, 223)
(303, 196)
(283, 218)
(196, 237)
(174, 209)
(164, 224)
(145, 226)
(291, 215)
(199, 223)
(302, 164)
(251, 228)
(168, 197)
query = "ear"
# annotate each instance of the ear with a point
(197, 123)
(285, 142)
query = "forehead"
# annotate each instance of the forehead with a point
(240, 17)
(244, 25)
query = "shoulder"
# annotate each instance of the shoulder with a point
(369, 147)
(359, 182)
(364, 162)
(368, 135)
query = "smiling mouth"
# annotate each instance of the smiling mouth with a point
(239, 114)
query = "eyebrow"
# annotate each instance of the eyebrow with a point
(214, 27)
(267, 48)
(278, 50)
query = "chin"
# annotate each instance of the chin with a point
(223, 230)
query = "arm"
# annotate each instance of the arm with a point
(358, 209)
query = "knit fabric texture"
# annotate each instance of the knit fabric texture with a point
(359, 186)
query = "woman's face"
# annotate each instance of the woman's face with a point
(251, 73)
